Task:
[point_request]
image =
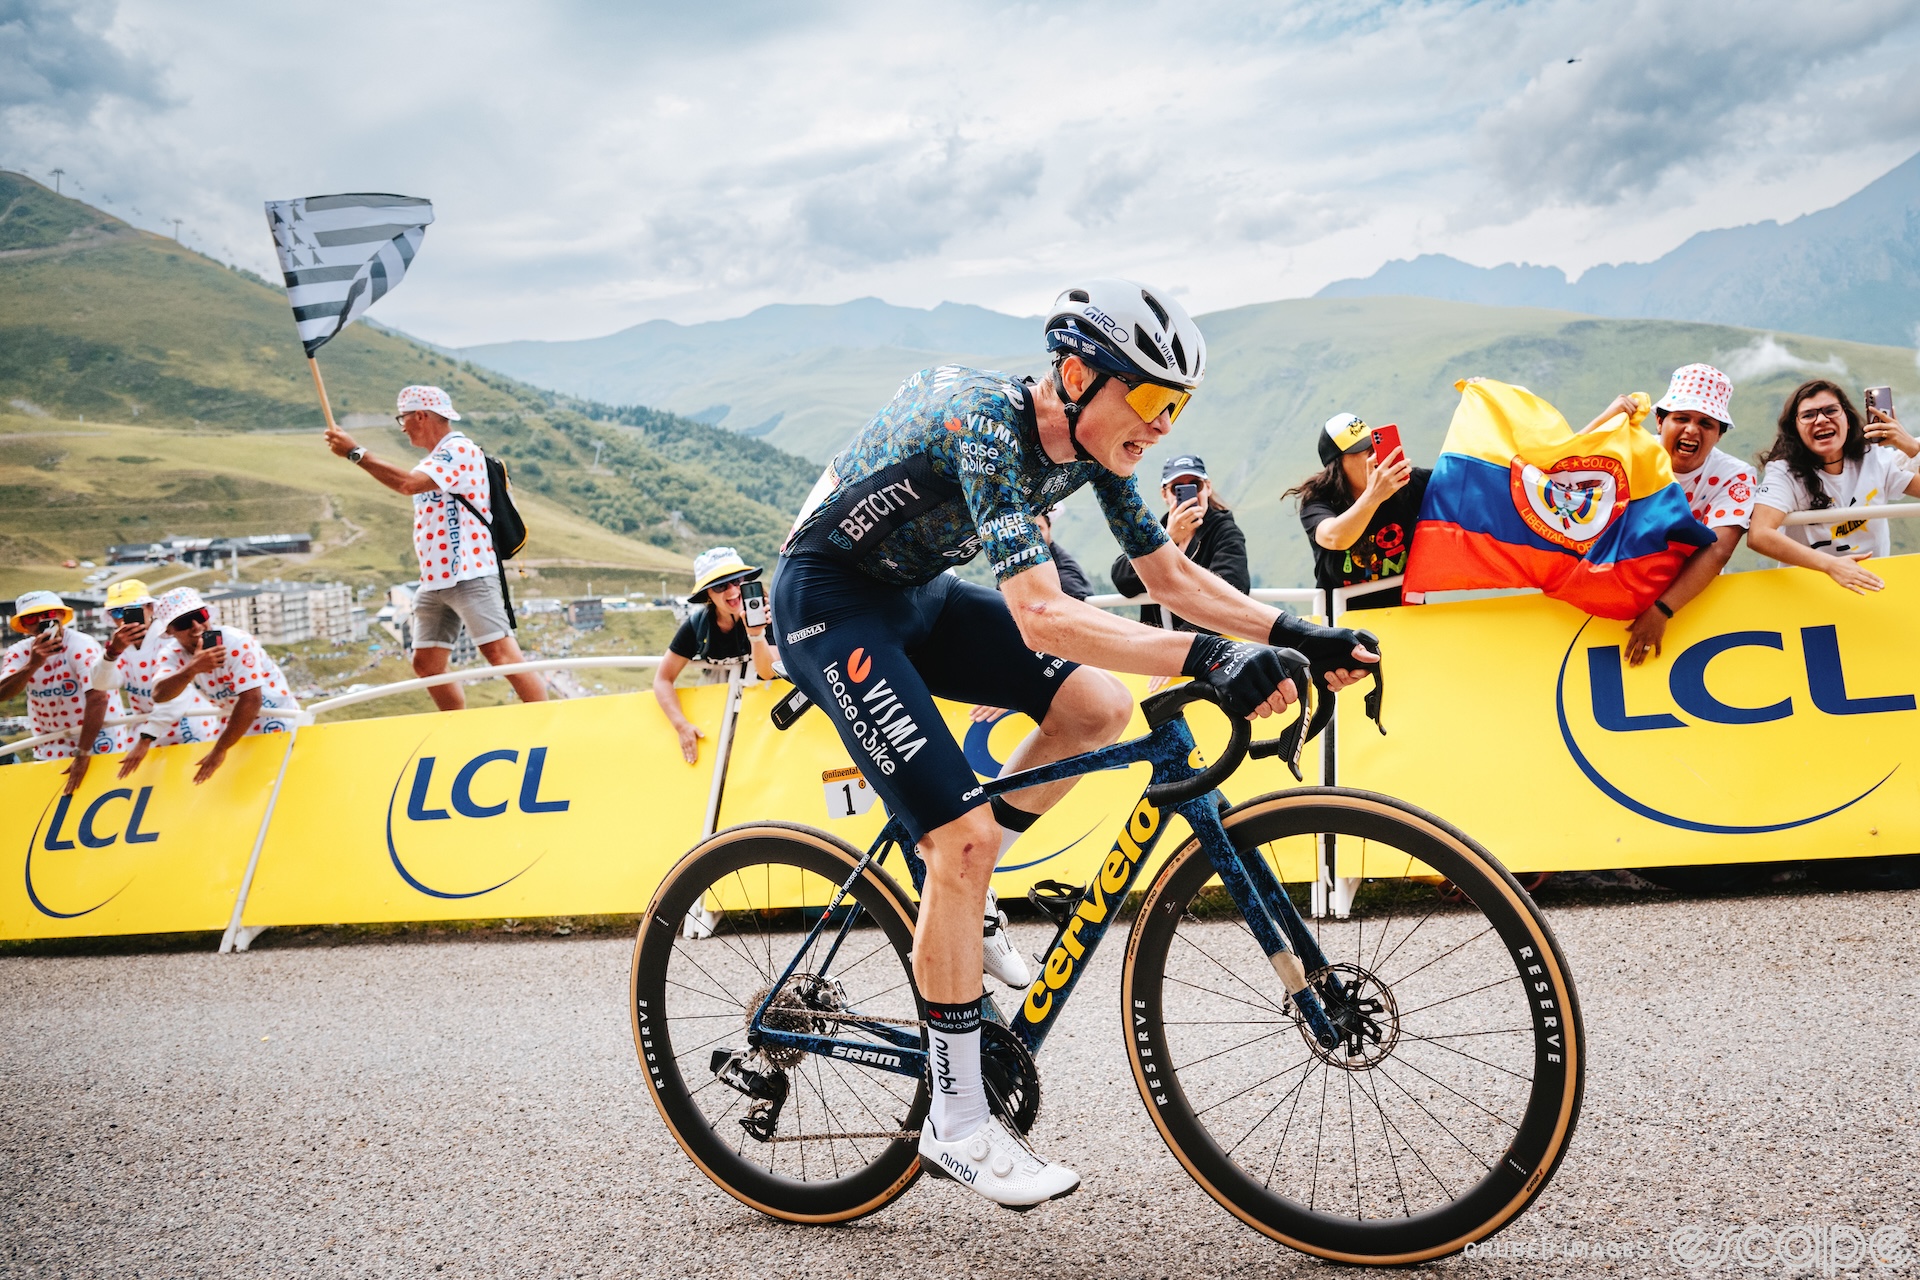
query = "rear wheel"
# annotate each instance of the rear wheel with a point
(1456, 1086)
(795, 1135)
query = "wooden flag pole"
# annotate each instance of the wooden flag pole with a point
(321, 387)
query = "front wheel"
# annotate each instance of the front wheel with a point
(1454, 1089)
(796, 1135)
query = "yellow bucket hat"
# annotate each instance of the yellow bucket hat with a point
(129, 591)
(39, 602)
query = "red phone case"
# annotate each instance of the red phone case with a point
(1385, 440)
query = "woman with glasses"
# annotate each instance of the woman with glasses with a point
(1826, 458)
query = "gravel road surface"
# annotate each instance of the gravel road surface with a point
(474, 1109)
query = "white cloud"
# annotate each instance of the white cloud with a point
(1764, 357)
(596, 166)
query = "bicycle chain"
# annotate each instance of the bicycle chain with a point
(892, 1135)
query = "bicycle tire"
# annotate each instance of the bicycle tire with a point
(1394, 1217)
(681, 991)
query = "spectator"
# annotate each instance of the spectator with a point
(54, 666)
(1201, 527)
(1823, 457)
(1720, 488)
(235, 674)
(459, 573)
(1073, 579)
(1359, 514)
(129, 668)
(716, 630)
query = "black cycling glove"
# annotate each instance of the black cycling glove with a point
(1331, 649)
(1244, 675)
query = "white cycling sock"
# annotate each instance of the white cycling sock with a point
(959, 1099)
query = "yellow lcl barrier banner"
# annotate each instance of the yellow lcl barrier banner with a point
(1779, 722)
(152, 854)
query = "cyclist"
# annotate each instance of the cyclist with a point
(874, 628)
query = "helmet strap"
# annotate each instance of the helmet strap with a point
(1071, 407)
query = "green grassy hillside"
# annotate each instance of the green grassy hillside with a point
(100, 322)
(1277, 371)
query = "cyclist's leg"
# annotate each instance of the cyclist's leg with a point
(975, 654)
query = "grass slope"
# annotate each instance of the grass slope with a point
(103, 322)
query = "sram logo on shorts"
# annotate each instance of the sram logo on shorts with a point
(1100, 899)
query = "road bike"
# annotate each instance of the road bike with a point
(1385, 1088)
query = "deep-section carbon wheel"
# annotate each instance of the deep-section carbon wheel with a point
(1455, 1086)
(796, 1135)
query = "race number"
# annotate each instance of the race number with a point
(848, 795)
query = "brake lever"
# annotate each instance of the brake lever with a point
(1318, 713)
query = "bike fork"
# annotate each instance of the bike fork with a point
(1269, 913)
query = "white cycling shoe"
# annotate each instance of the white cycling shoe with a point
(997, 953)
(997, 1165)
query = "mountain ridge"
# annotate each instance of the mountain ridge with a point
(1849, 271)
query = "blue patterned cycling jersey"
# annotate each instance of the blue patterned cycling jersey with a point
(951, 466)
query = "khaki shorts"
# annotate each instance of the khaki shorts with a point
(437, 614)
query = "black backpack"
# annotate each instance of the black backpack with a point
(509, 530)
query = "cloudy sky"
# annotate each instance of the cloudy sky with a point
(597, 165)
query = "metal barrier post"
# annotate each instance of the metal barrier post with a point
(237, 936)
(700, 921)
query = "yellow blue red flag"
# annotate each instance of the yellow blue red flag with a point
(1518, 500)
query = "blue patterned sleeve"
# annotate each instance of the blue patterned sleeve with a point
(985, 451)
(1133, 526)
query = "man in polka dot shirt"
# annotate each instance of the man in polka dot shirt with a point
(1720, 488)
(53, 666)
(459, 573)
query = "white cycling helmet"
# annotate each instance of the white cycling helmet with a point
(1152, 335)
(1123, 329)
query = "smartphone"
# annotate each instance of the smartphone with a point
(753, 598)
(209, 639)
(790, 708)
(1385, 440)
(47, 624)
(1185, 493)
(1880, 398)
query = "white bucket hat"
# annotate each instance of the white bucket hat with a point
(432, 399)
(1700, 388)
(39, 602)
(167, 606)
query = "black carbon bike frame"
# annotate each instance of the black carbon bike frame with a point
(1176, 786)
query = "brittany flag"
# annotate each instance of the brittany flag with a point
(342, 254)
(1518, 500)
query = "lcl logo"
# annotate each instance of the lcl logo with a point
(98, 827)
(493, 801)
(1687, 684)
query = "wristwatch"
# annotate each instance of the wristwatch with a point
(356, 453)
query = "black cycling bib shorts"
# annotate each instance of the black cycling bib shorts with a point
(874, 656)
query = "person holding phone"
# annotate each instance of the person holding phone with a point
(1360, 508)
(130, 669)
(225, 664)
(52, 666)
(1825, 456)
(1201, 528)
(720, 628)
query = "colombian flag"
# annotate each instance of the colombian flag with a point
(1518, 500)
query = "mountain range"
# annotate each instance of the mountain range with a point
(1849, 271)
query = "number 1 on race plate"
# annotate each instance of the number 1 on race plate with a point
(848, 795)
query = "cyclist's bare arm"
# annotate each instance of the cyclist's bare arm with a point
(1051, 621)
(1197, 593)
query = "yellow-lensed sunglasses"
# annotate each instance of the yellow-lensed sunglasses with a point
(1151, 399)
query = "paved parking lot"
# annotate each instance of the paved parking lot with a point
(473, 1108)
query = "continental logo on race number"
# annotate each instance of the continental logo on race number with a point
(1112, 880)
